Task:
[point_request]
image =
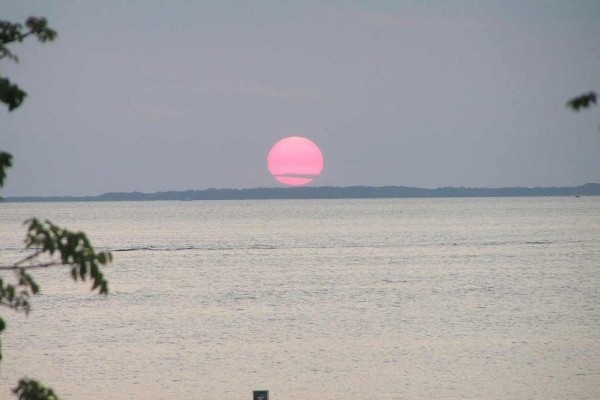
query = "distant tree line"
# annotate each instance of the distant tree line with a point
(328, 192)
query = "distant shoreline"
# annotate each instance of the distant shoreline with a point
(322, 192)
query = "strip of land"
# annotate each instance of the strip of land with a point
(325, 192)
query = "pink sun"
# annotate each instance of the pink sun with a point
(295, 161)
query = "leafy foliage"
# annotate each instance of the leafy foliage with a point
(5, 162)
(11, 94)
(28, 389)
(58, 246)
(62, 247)
(583, 101)
(74, 249)
(16, 296)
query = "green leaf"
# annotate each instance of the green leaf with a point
(11, 94)
(28, 389)
(5, 162)
(583, 101)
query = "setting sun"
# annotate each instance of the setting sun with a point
(295, 161)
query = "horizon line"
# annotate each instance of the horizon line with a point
(467, 191)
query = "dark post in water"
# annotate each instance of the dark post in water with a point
(260, 395)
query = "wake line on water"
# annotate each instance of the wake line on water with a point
(348, 245)
(316, 246)
(151, 248)
(241, 247)
(339, 245)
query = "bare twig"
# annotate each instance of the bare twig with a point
(34, 266)
(28, 258)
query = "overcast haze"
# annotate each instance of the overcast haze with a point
(176, 95)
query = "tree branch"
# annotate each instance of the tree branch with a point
(29, 257)
(34, 266)
(17, 39)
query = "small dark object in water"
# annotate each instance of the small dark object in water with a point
(260, 395)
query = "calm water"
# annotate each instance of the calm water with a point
(323, 299)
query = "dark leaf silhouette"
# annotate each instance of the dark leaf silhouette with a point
(583, 101)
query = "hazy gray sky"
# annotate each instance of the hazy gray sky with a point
(174, 95)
